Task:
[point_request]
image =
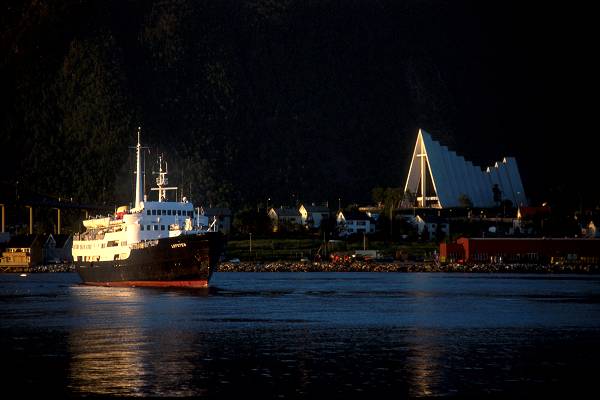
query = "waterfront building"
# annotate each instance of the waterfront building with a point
(23, 251)
(522, 250)
(440, 178)
(59, 249)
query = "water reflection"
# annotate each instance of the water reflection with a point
(124, 352)
(107, 361)
(395, 335)
(423, 363)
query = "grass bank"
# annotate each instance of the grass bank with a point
(292, 249)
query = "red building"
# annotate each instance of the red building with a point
(529, 250)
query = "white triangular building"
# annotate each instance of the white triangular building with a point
(440, 178)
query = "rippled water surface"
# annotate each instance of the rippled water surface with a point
(304, 335)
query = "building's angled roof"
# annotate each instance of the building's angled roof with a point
(433, 219)
(287, 212)
(355, 216)
(452, 177)
(319, 209)
(61, 240)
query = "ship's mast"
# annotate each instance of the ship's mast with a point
(139, 187)
(162, 181)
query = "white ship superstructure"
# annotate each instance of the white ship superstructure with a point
(109, 238)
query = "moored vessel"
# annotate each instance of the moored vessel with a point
(155, 243)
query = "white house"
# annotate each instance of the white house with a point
(312, 215)
(349, 223)
(431, 224)
(284, 216)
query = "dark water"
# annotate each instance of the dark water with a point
(291, 335)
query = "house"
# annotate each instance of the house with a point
(431, 226)
(312, 215)
(223, 216)
(352, 222)
(58, 249)
(22, 252)
(287, 217)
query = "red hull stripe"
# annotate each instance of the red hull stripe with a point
(191, 284)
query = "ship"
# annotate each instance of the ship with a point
(157, 243)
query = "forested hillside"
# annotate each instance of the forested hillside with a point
(310, 100)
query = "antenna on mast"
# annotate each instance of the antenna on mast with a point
(162, 180)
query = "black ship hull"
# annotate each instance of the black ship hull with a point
(184, 261)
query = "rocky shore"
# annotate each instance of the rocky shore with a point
(287, 266)
(44, 268)
(283, 266)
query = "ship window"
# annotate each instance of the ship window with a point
(148, 212)
(164, 212)
(162, 227)
(141, 227)
(153, 212)
(168, 212)
(155, 227)
(147, 227)
(178, 212)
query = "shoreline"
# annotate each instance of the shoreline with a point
(291, 266)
